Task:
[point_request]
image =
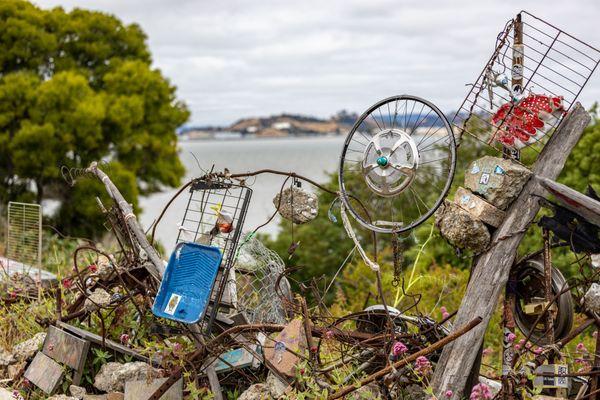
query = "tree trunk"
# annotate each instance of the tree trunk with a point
(492, 269)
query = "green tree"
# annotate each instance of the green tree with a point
(76, 87)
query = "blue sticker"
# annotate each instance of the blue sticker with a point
(464, 199)
(475, 169)
(498, 170)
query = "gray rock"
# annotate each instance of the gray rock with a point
(297, 205)
(98, 298)
(27, 349)
(498, 180)
(258, 391)
(77, 391)
(7, 395)
(592, 298)
(112, 376)
(6, 358)
(62, 397)
(275, 386)
(461, 228)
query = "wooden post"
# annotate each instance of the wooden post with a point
(493, 267)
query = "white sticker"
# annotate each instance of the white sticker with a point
(475, 169)
(485, 178)
(172, 304)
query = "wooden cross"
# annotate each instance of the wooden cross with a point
(490, 274)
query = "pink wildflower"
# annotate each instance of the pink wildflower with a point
(517, 347)
(422, 366)
(67, 283)
(329, 334)
(511, 337)
(481, 391)
(581, 347)
(538, 350)
(399, 349)
(449, 393)
(124, 338)
(487, 351)
(93, 268)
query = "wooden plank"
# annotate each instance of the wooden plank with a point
(493, 266)
(142, 390)
(215, 385)
(573, 200)
(65, 348)
(44, 373)
(97, 339)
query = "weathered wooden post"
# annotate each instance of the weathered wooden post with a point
(492, 269)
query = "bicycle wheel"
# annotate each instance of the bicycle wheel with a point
(397, 164)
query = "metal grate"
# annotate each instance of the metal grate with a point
(533, 63)
(24, 234)
(207, 195)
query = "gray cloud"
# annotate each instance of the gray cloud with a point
(232, 59)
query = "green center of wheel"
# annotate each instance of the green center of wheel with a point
(382, 161)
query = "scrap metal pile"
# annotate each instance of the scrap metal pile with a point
(222, 312)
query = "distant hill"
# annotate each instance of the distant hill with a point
(291, 125)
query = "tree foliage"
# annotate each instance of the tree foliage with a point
(76, 87)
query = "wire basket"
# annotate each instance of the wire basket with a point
(529, 84)
(258, 277)
(214, 216)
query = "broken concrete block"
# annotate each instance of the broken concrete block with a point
(281, 352)
(77, 391)
(297, 205)
(498, 180)
(108, 396)
(140, 390)
(275, 385)
(113, 375)
(98, 298)
(592, 298)
(6, 394)
(257, 391)
(27, 349)
(461, 229)
(478, 207)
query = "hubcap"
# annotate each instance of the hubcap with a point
(390, 162)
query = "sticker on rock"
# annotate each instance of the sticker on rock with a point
(485, 178)
(475, 169)
(465, 198)
(498, 170)
(172, 304)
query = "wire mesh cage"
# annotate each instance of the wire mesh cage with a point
(259, 282)
(530, 82)
(214, 216)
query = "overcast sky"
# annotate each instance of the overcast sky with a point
(233, 59)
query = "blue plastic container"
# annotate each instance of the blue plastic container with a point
(185, 290)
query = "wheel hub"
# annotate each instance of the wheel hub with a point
(390, 161)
